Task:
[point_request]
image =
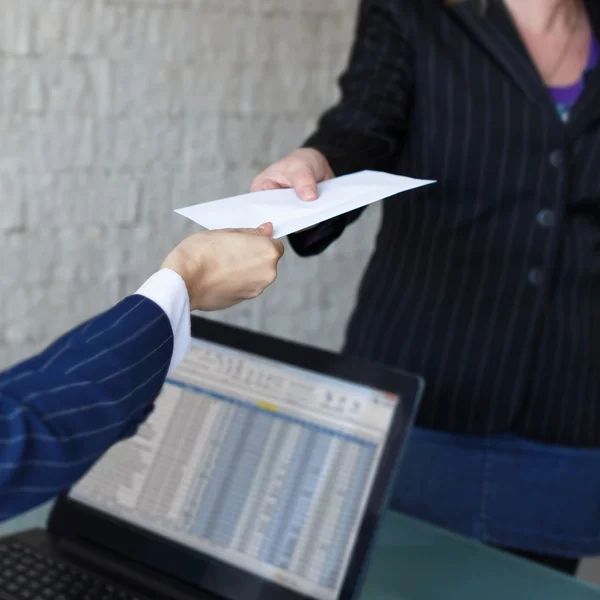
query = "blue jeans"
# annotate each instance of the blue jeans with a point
(504, 490)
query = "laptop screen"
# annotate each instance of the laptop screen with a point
(262, 465)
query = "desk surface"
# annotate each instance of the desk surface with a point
(414, 561)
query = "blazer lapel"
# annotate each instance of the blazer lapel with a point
(587, 109)
(496, 33)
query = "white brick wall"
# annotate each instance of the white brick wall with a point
(114, 112)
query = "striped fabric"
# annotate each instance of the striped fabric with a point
(61, 410)
(487, 283)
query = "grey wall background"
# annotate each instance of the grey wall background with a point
(114, 112)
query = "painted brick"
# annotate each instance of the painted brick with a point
(139, 250)
(156, 3)
(82, 197)
(12, 201)
(256, 37)
(268, 7)
(202, 143)
(22, 86)
(168, 35)
(28, 258)
(85, 254)
(270, 88)
(139, 142)
(98, 252)
(50, 22)
(16, 27)
(213, 86)
(283, 37)
(234, 36)
(76, 28)
(147, 88)
(120, 31)
(290, 89)
(71, 87)
(267, 137)
(45, 143)
(302, 7)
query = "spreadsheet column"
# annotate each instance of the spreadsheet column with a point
(297, 513)
(347, 516)
(288, 494)
(339, 483)
(234, 494)
(213, 495)
(207, 462)
(250, 515)
(166, 471)
(271, 495)
(309, 542)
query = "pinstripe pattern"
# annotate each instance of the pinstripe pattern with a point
(61, 410)
(468, 285)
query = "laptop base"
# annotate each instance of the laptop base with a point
(34, 565)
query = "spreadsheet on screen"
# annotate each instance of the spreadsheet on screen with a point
(260, 464)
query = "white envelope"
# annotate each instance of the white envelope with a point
(289, 214)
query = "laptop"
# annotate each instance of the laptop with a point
(261, 474)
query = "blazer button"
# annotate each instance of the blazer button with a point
(535, 277)
(546, 218)
(557, 158)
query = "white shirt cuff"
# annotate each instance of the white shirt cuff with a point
(168, 290)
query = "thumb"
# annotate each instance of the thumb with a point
(265, 229)
(304, 182)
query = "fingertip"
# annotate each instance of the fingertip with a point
(308, 194)
(266, 229)
(304, 182)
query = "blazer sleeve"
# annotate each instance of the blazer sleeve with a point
(62, 409)
(365, 129)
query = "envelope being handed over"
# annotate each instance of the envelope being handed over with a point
(289, 214)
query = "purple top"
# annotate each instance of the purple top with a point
(566, 97)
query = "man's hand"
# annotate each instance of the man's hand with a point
(224, 267)
(301, 170)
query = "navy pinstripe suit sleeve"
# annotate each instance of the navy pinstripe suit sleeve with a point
(61, 410)
(364, 130)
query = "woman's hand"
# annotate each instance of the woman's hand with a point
(301, 170)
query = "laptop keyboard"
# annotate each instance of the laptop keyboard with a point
(30, 575)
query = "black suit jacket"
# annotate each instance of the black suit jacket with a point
(487, 283)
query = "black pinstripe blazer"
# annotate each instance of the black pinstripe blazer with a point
(487, 283)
